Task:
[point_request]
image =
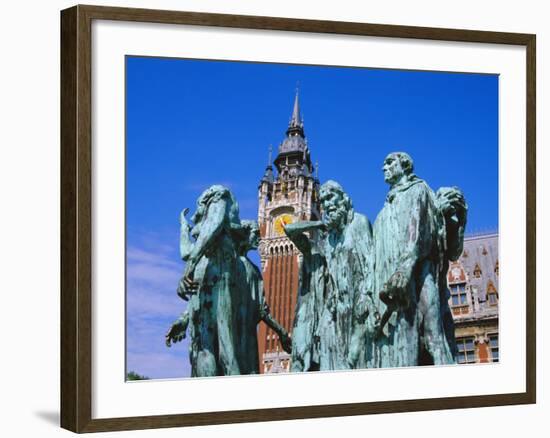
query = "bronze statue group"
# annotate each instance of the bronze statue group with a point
(370, 296)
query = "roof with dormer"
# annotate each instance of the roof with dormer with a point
(480, 260)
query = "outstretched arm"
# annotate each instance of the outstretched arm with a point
(265, 316)
(296, 232)
(178, 329)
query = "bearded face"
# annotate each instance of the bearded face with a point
(333, 205)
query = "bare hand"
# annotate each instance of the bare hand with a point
(286, 342)
(362, 308)
(190, 285)
(187, 286)
(176, 333)
(395, 291)
(375, 323)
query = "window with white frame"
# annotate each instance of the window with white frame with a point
(466, 350)
(458, 294)
(493, 344)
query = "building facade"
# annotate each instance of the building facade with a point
(473, 283)
(289, 192)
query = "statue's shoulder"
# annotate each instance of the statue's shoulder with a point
(420, 185)
(360, 227)
(360, 221)
(421, 190)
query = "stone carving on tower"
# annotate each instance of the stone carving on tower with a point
(288, 192)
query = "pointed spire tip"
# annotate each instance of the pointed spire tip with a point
(296, 119)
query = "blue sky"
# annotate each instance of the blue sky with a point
(192, 123)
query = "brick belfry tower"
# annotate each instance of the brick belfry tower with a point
(289, 195)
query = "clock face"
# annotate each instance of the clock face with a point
(280, 222)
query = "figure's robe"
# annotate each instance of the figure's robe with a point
(407, 237)
(309, 304)
(214, 322)
(342, 332)
(216, 271)
(248, 306)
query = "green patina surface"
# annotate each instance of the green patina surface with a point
(223, 287)
(369, 296)
(415, 235)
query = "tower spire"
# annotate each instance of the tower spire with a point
(268, 174)
(296, 119)
(287, 193)
(296, 124)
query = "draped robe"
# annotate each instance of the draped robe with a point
(342, 328)
(409, 237)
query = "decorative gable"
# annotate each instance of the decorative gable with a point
(477, 271)
(456, 273)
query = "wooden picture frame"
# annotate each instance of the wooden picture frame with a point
(76, 217)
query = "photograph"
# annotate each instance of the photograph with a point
(285, 218)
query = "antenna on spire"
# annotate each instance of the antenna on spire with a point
(270, 152)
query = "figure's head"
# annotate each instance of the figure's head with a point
(204, 200)
(396, 166)
(213, 195)
(335, 204)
